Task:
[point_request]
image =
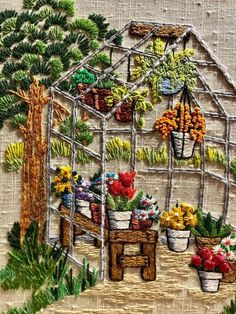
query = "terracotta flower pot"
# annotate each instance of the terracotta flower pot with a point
(202, 242)
(143, 225)
(230, 276)
(177, 240)
(210, 281)
(119, 220)
(100, 95)
(182, 145)
(88, 98)
(124, 113)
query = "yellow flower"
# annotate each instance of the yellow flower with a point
(76, 177)
(166, 218)
(66, 171)
(187, 208)
(191, 220)
(177, 213)
(62, 187)
(177, 225)
(56, 179)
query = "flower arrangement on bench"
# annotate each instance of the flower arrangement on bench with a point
(178, 223)
(211, 268)
(185, 127)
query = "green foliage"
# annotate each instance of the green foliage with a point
(233, 167)
(102, 59)
(83, 76)
(86, 25)
(37, 37)
(118, 203)
(209, 227)
(14, 156)
(118, 149)
(176, 67)
(18, 120)
(117, 40)
(196, 161)
(153, 156)
(215, 155)
(230, 309)
(13, 237)
(82, 133)
(67, 6)
(83, 158)
(101, 24)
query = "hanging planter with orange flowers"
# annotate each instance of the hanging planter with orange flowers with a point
(185, 127)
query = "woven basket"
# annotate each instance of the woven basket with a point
(230, 276)
(143, 225)
(202, 242)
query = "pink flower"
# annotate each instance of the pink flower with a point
(206, 253)
(196, 260)
(224, 268)
(228, 242)
(209, 265)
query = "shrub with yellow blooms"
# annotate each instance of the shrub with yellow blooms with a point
(181, 217)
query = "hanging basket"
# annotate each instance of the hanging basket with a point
(210, 281)
(230, 276)
(168, 89)
(143, 225)
(182, 145)
(124, 113)
(202, 242)
(177, 240)
(119, 220)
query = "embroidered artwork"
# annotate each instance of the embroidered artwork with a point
(125, 149)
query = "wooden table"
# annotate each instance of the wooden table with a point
(146, 259)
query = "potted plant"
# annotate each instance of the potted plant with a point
(178, 223)
(170, 75)
(96, 97)
(211, 268)
(146, 212)
(121, 200)
(209, 231)
(135, 101)
(185, 127)
(62, 184)
(227, 247)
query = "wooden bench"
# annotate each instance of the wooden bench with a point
(146, 259)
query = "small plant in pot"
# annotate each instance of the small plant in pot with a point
(178, 223)
(211, 268)
(146, 212)
(97, 95)
(137, 100)
(209, 231)
(227, 247)
(63, 184)
(121, 200)
(185, 127)
(170, 75)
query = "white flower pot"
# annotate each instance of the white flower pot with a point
(210, 281)
(119, 220)
(182, 145)
(177, 240)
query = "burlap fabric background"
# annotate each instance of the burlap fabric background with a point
(216, 21)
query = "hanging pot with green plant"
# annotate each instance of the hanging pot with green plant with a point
(209, 231)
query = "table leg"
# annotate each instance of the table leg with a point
(116, 272)
(148, 273)
(65, 232)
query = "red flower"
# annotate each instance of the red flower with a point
(127, 178)
(225, 267)
(129, 192)
(116, 188)
(206, 253)
(196, 260)
(209, 265)
(218, 259)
